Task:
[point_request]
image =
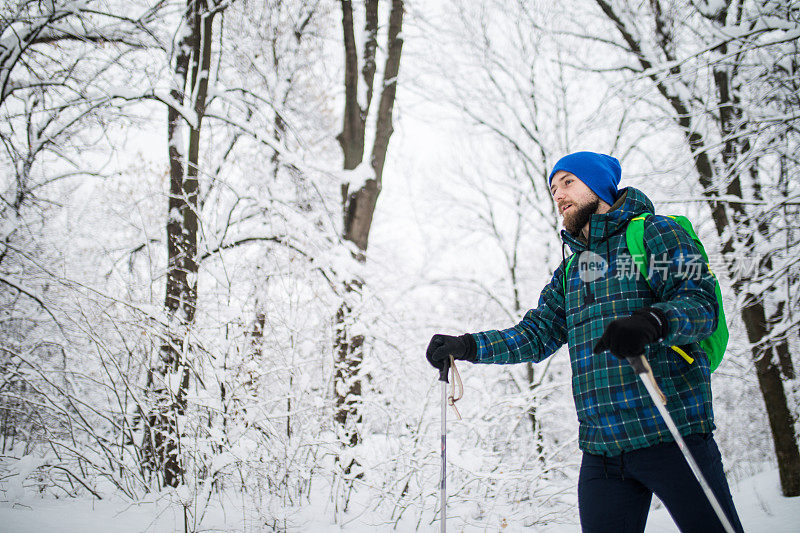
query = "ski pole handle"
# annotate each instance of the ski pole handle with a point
(444, 370)
(642, 368)
(639, 364)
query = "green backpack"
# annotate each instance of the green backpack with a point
(715, 345)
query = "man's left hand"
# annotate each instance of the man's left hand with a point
(628, 337)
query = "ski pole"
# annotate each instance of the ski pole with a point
(645, 373)
(443, 480)
(448, 400)
(449, 365)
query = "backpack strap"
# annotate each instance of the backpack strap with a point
(634, 237)
(564, 279)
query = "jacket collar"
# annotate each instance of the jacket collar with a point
(630, 203)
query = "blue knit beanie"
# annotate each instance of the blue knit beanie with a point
(600, 172)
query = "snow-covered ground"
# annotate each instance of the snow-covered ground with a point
(758, 499)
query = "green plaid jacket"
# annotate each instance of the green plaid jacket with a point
(614, 410)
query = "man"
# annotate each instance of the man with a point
(605, 314)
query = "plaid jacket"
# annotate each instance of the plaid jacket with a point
(614, 410)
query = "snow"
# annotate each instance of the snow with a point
(716, 5)
(175, 216)
(357, 178)
(121, 91)
(759, 502)
(734, 32)
(15, 489)
(778, 23)
(780, 36)
(711, 7)
(188, 114)
(12, 35)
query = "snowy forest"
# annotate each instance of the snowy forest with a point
(229, 229)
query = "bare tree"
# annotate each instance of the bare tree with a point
(737, 119)
(169, 380)
(92, 67)
(359, 199)
(53, 82)
(59, 64)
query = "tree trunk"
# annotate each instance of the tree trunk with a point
(781, 421)
(169, 380)
(359, 205)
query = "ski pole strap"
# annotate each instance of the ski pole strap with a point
(455, 378)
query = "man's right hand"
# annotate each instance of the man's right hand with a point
(442, 347)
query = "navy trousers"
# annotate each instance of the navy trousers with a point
(614, 492)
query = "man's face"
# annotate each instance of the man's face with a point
(576, 202)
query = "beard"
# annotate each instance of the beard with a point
(575, 220)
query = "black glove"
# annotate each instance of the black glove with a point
(442, 347)
(628, 337)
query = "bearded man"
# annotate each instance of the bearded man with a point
(606, 316)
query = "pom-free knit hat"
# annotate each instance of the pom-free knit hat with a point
(600, 172)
